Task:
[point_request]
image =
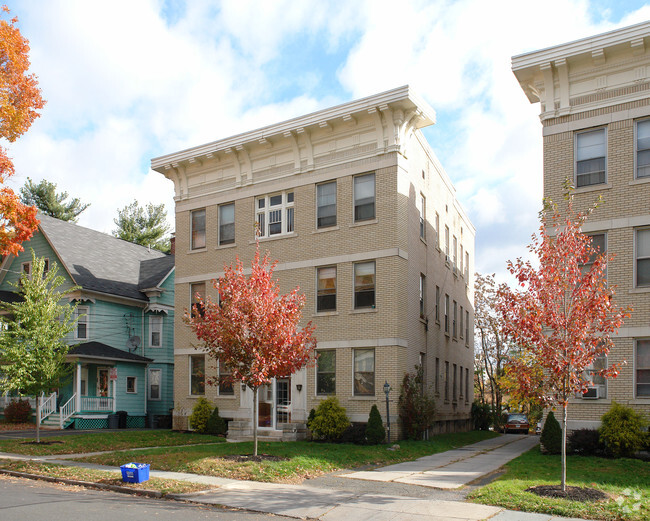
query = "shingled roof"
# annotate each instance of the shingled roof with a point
(105, 352)
(100, 262)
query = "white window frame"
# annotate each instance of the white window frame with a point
(355, 198)
(319, 206)
(374, 372)
(135, 385)
(422, 208)
(149, 397)
(221, 240)
(575, 155)
(195, 245)
(637, 150)
(590, 373)
(374, 285)
(317, 372)
(639, 368)
(423, 296)
(285, 210)
(156, 326)
(319, 290)
(28, 265)
(83, 312)
(637, 257)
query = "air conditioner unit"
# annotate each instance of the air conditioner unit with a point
(591, 394)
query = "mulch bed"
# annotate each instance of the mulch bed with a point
(581, 494)
(240, 458)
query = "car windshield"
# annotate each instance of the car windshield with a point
(517, 417)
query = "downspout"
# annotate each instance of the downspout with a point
(146, 367)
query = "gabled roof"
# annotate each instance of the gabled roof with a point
(100, 262)
(100, 351)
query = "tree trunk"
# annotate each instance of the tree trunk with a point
(564, 447)
(255, 412)
(38, 418)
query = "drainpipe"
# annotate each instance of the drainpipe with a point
(146, 367)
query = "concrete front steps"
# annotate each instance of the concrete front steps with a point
(53, 421)
(242, 431)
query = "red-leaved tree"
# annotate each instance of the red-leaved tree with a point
(20, 98)
(252, 331)
(564, 317)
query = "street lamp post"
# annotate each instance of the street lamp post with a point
(387, 390)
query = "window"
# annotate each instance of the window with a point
(460, 259)
(422, 295)
(642, 368)
(155, 330)
(460, 328)
(155, 378)
(446, 243)
(591, 157)
(454, 392)
(131, 384)
(599, 243)
(26, 267)
(423, 219)
(597, 383)
(467, 265)
(364, 197)
(447, 314)
(438, 304)
(643, 148)
(326, 372)
(81, 331)
(466, 327)
(446, 381)
(226, 387)
(437, 377)
(197, 290)
(460, 383)
(197, 375)
(454, 330)
(364, 285)
(197, 232)
(437, 229)
(326, 296)
(326, 205)
(274, 214)
(455, 250)
(227, 224)
(364, 372)
(643, 257)
(466, 384)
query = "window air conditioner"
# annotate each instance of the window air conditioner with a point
(591, 394)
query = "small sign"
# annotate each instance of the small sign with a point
(112, 373)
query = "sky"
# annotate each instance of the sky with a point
(126, 81)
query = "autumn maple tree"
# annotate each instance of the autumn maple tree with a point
(20, 98)
(562, 317)
(253, 331)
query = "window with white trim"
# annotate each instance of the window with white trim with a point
(591, 157)
(326, 292)
(364, 372)
(197, 290)
(597, 383)
(274, 214)
(227, 224)
(131, 384)
(643, 149)
(364, 197)
(155, 330)
(642, 248)
(642, 368)
(446, 243)
(226, 384)
(364, 285)
(423, 290)
(599, 244)
(197, 229)
(326, 372)
(326, 205)
(197, 375)
(83, 320)
(422, 208)
(155, 381)
(455, 250)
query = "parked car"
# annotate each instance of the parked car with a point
(516, 423)
(538, 429)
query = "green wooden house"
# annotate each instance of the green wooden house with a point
(122, 347)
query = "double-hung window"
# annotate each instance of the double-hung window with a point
(197, 375)
(642, 368)
(197, 290)
(197, 232)
(81, 331)
(364, 372)
(643, 257)
(326, 372)
(275, 214)
(597, 383)
(447, 314)
(423, 289)
(455, 320)
(643, 148)
(155, 330)
(155, 380)
(326, 297)
(227, 224)
(599, 244)
(364, 197)
(226, 385)
(438, 304)
(326, 205)
(591, 157)
(447, 243)
(422, 207)
(131, 385)
(364, 285)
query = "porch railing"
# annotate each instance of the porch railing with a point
(47, 407)
(6, 400)
(96, 403)
(67, 410)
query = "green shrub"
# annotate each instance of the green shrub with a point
(18, 411)
(310, 418)
(355, 433)
(585, 442)
(200, 415)
(551, 437)
(375, 432)
(416, 408)
(622, 431)
(330, 420)
(216, 424)
(481, 415)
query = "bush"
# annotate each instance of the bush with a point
(416, 407)
(330, 420)
(18, 411)
(216, 424)
(622, 431)
(310, 418)
(201, 415)
(481, 415)
(375, 432)
(585, 442)
(355, 433)
(551, 437)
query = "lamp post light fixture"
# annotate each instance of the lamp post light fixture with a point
(387, 390)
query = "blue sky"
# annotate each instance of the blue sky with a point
(127, 81)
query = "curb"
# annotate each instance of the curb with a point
(88, 484)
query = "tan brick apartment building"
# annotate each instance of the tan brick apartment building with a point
(353, 204)
(595, 111)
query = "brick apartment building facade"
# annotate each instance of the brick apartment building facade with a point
(353, 204)
(594, 96)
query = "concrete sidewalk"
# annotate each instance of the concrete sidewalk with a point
(307, 502)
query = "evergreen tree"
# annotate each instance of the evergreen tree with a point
(146, 226)
(44, 196)
(375, 432)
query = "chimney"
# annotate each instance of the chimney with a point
(172, 243)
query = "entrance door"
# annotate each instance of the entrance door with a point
(265, 406)
(102, 382)
(283, 401)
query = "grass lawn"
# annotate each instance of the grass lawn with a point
(165, 486)
(99, 441)
(626, 481)
(301, 460)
